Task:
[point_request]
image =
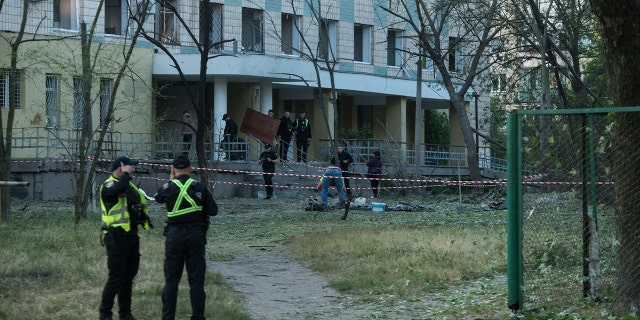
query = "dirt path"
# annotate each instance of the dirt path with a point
(276, 287)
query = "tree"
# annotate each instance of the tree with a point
(323, 58)
(204, 46)
(6, 133)
(96, 60)
(446, 31)
(86, 174)
(621, 43)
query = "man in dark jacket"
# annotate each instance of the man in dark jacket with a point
(285, 132)
(189, 205)
(345, 159)
(302, 128)
(229, 142)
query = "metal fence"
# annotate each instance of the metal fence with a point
(564, 246)
(434, 154)
(51, 143)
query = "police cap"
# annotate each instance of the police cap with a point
(181, 162)
(124, 160)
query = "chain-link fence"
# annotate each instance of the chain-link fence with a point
(563, 239)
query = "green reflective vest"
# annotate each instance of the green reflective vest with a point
(118, 215)
(194, 207)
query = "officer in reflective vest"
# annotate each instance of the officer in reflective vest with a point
(189, 205)
(124, 208)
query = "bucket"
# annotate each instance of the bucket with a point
(378, 207)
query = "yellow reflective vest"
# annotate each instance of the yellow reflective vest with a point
(118, 215)
(184, 196)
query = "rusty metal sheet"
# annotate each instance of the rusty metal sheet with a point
(259, 125)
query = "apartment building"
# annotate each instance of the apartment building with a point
(260, 61)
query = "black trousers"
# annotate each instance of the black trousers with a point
(284, 149)
(186, 142)
(301, 149)
(184, 245)
(345, 177)
(268, 181)
(375, 183)
(123, 259)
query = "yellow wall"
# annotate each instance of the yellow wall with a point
(63, 58)
(396, 114)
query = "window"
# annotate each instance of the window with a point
(216, 27)
(64, 14)
(105, 100)
(252, 30)
(362, 43)
(498, 48)
(498, 82)
(52, 92)
(427, 62)
(327, 46)
(78, 103)
(4, 89)
(529, 85)
(115, 15)
(394, 48)
(455, 55)
(166, 24)
(290, 34)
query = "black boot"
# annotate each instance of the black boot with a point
(346, 210)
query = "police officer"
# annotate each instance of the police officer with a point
(124, 208)
(268, 160)
(189, 205)
(302, 129)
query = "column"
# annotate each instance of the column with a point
(219, 109)
(266, 96)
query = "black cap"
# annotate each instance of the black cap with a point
(181, 162)
(267, 145)
(116, 163)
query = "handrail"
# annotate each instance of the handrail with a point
(38, 142)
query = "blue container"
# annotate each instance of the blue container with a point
(378, 207)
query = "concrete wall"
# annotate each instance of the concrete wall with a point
(55, 180)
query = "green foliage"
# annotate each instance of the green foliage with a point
(362, 133)
(437, 128)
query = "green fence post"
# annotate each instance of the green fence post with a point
(514, 216)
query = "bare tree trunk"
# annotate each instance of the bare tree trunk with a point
(83, 191)
(621, 39)
(7, 135)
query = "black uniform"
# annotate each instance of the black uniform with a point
(123, 247)
(303, 134)
(185, 242)
(268, 167)
(230, 138)
(285, 132)
(345, 160)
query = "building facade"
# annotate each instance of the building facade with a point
(262, 57)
